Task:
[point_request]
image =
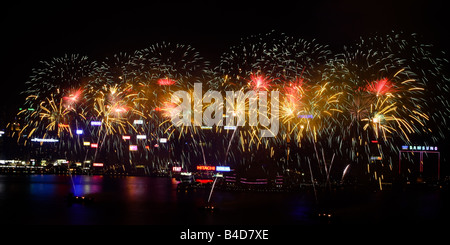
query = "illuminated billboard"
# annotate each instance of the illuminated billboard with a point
(419, 148)
(206, 168)
(44, 140)
(96, 123)
(141, 136)
(223, 168)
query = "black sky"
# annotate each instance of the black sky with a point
(33, 31)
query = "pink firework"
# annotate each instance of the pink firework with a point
(380, 87)
(73, 97)
(166, 82)
(259, 82)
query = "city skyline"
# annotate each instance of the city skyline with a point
(202, 114)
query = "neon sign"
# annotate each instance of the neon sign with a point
(44, 140)
(206, 168)
(96, 123)
(419, 148)
(223, 168)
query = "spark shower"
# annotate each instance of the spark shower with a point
(235, 108)
(332, 105)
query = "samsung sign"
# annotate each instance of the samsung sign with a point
(419, 148)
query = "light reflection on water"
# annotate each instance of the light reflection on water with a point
(41, 199)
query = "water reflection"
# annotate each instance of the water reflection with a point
(43, 186)
(40, 199)
(84, 185)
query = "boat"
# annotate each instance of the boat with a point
(71, 198)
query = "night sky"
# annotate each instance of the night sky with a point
(34, 31)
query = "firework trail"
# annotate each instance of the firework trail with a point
(388, 89)
(387, 96)
(62, 74)
(278, 56)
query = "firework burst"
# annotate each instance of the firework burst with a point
(386, 89)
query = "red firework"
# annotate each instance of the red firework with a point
(166, 82)
(380, 87)
(259, 82)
